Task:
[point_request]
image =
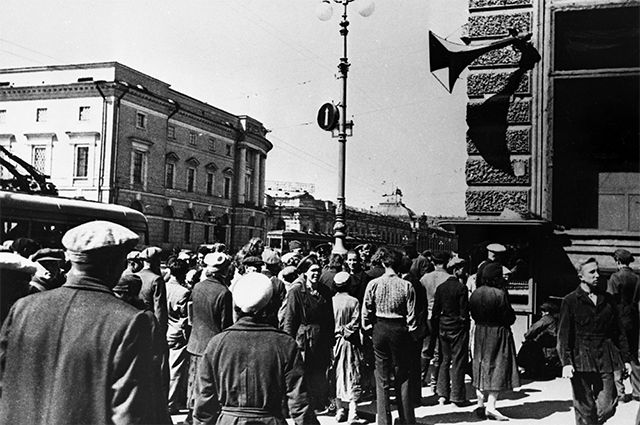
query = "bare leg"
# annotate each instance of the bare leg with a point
(492, 413)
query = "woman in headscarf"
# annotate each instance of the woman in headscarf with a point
(494, 352)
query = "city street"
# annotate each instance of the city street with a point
(536, 402)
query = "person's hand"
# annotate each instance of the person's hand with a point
(627, 368)
(567, 371)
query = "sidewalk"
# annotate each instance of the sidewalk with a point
(535, 403)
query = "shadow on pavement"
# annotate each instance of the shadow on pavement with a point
(537, 410)
(449, 418)
(517, 395)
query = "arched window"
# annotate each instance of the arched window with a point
(167, 213)
(251, 221)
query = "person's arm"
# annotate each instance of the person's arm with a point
(368, 307)
(354, 324)
(436, 311)
(297, 399)
(566, 337)
(226, 310)
(412, 320)
(463, 299)
(160, 303)
(206, 406)
(132, 369)
(291, 319)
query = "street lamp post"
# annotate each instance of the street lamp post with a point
(345, 127)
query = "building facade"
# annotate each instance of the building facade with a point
(558, 139)
(108, 133)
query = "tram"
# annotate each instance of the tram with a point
(279, 239)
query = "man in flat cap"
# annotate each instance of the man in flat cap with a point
(624, 285)
(212, 312)
(154, 291)
(252, 351)
(77, 354)
(592, 345)
(495, 252)
(50, 274)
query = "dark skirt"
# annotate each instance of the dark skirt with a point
(494, 359)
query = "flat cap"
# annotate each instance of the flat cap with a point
(290, 258)
(96, 235)
(496, 247)
(216, 260)
(341, 279)
(150, 253)
(252, 260)
(133, 255)
(456, 262)
(252, 292)
(48, 254)
(270, 256)
(622, 255)
(17, 263)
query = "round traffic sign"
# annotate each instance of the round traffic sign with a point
(328, 116)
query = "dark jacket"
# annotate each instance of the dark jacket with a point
(212, 313)
(624, 285)
(451, 306)
(590, 337)
(76, 355)
(245, 373)
(154, 295)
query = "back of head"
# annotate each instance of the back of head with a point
(623, 256)
(492, 275)
(251, 293)
(389, 257)
(25, 247)
(177, 267)
(441, 258)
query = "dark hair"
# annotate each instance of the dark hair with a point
(336, 261)
(204, 250)
(306, 263)
(410, 250)
(389, 257)
(405, 264)
(177, 267)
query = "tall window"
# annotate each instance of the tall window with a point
(3, 116)
(227, 188)
(210, 182)
(169, 175)
(191, 179)
(138, 167)
(228, 149)
(212, 145)
(187, 232)
(81, 161)
(84, 113)
(193, 138)
(207, 233)
(141, 120)
(166, 230)
(248, 188)
(171, 132)
(39, 158)
(41, 114)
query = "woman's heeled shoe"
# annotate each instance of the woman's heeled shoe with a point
(495, 415)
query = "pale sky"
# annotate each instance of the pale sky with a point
(276, 61)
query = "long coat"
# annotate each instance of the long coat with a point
(212, 313)
(76, 355)
(154, 295)
(245, 373)
(494, 352)
(347, 356)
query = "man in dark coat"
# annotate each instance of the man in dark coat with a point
(253, 356)
(154, 291)
(624, 285)
(450, 320)
(77, 354)
(591, 345)
(212, 312)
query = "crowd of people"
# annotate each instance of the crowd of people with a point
(101, 333)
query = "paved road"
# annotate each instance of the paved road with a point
(535, 403)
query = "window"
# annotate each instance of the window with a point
(228, 149)
(171, 132)
(227, 188)
(41, 114)
(187, 232)
(39, 158)
(3, 116)
(207, 233)
(166, 230)
(169, 172)
(191, 179)
(141, 120)
(248, 188)
(210, 182)
(81, 161)
(193, 137)
(212, 145)
(84, 113)
(138, 167)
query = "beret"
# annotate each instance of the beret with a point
(98, 234)
(216, 259)
(341, 279)
(289, 270)
(48, 254)
(270, 256)
(150, 253)
(496, 247)
(17, 263)
(622, 255)
(252, 260)
(252, 292)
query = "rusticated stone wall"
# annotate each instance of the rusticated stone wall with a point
(490, 189)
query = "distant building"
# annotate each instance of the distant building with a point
(108, 133)
(390, 221)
